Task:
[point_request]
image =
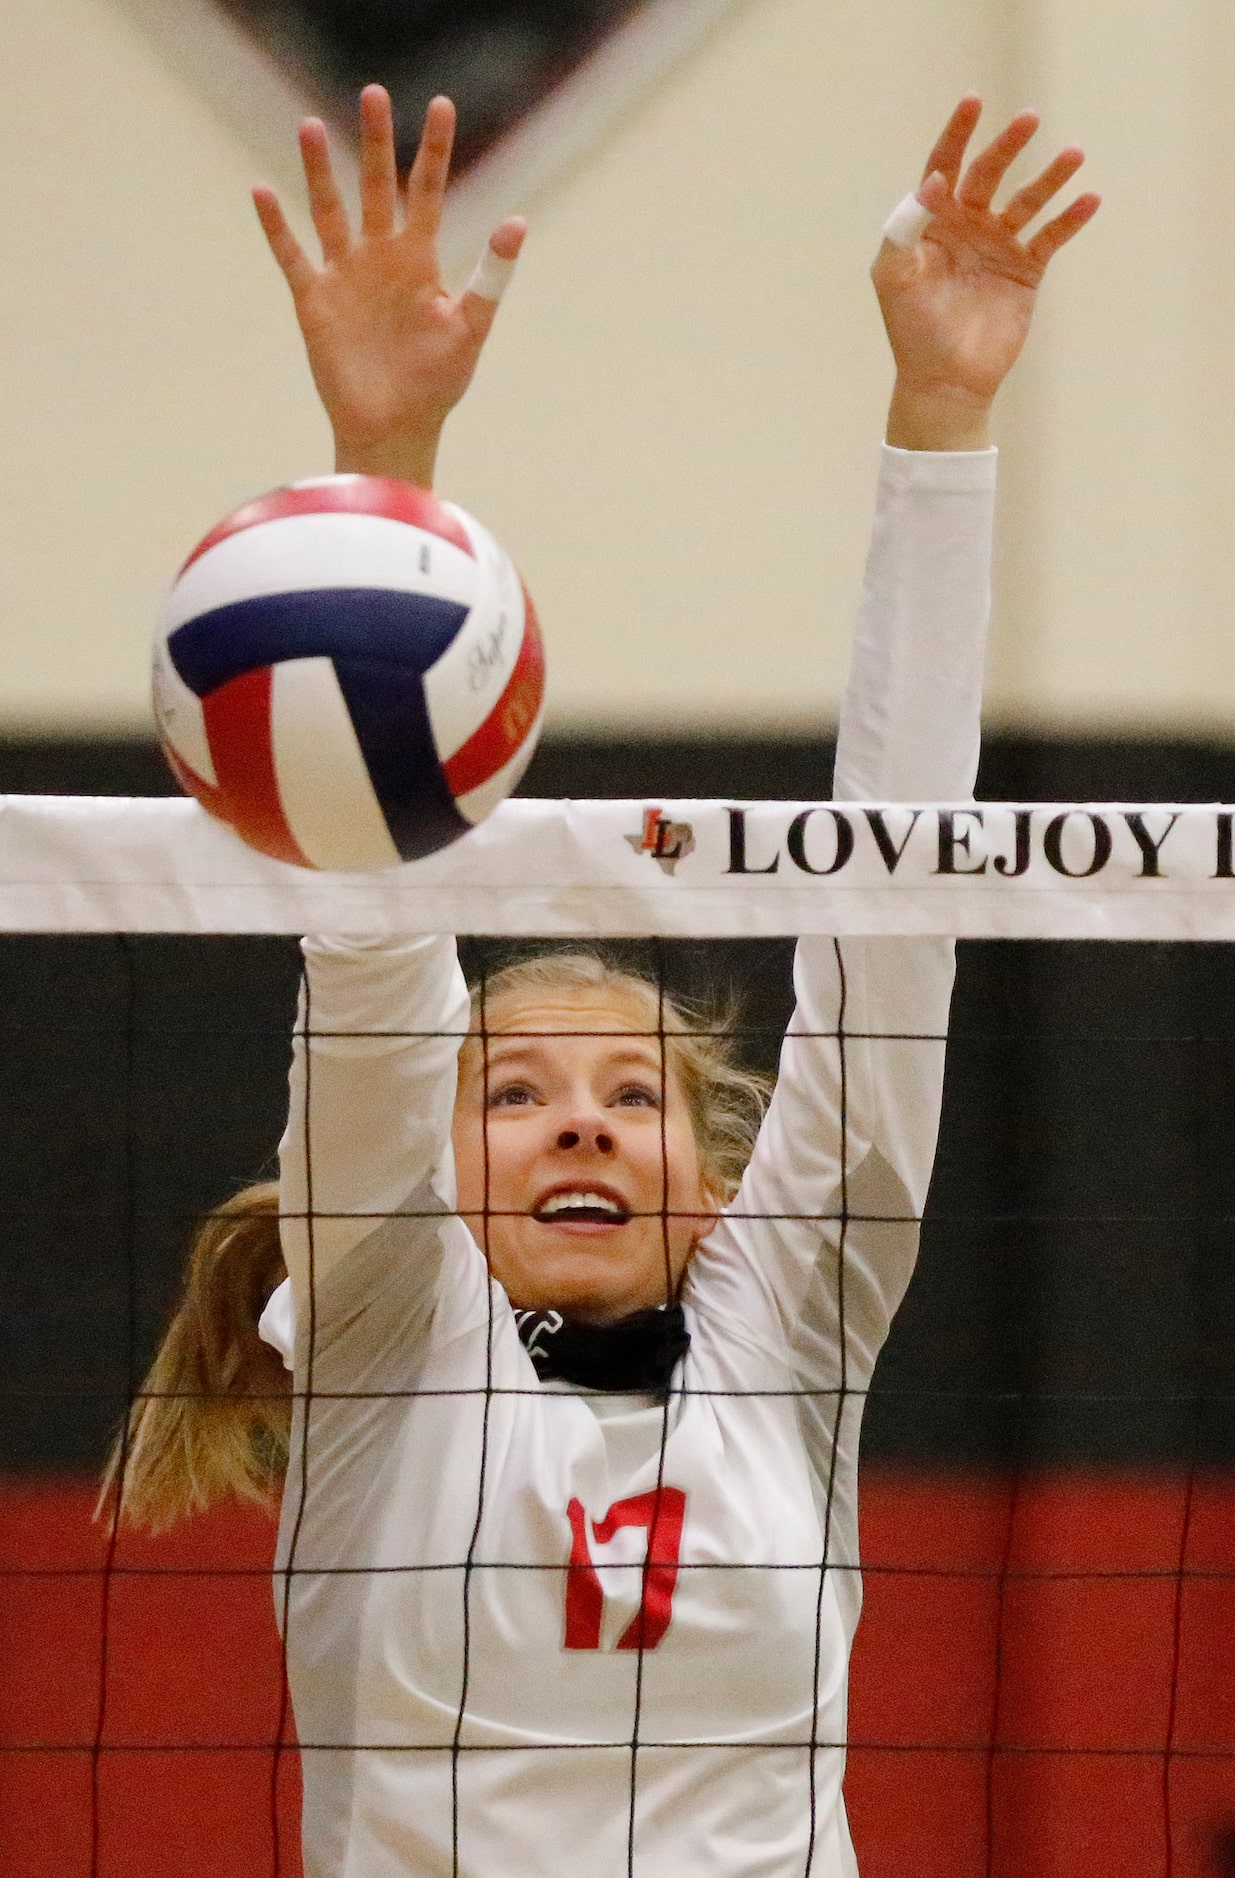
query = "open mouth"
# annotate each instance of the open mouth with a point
(581, 1206)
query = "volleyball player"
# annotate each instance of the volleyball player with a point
(568, 1553)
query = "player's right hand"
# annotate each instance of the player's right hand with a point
(391, 351)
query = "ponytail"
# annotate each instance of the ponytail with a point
(214, 1414)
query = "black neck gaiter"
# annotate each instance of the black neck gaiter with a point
(636, 1355)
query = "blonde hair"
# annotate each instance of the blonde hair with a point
(213, 1417)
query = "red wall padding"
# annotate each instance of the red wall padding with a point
(1082, 1705)
(192, 1660)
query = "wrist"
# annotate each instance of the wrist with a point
(409, 459)
(938, 418)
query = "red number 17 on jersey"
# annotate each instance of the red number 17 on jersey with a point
(660, 1513)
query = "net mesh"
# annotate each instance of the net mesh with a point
(1042, 1678)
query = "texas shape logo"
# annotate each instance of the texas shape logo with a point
(667, 842)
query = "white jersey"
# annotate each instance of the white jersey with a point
(476, 1556)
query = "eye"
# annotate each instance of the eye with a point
(637, 1095)
(512, 1095)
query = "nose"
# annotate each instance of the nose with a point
(586, 1135)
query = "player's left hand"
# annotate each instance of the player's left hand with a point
(958, 304)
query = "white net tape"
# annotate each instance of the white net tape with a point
(691, 869)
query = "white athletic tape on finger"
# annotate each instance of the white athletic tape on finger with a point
(906, 222)
(492, 276)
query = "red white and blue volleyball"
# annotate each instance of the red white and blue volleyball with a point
(349, 673)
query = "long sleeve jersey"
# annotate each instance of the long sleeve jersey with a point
(536, 1633)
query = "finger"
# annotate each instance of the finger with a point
(430, 171)
(903, 228)
(297, 268)
(379, 175)
(988, 169)
(326, 205)
(911, 218)
(508, 237)
(479, 301)
(949, 152)
(1049, 240)
(1033, 197)
(934, 194)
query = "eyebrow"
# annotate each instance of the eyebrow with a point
(638, 1033)
(514, 1046)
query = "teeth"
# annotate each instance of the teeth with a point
(581, 1202)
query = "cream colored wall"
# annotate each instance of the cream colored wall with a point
(148, 379)
(1118, 563)
(674, 429)
(677, 428)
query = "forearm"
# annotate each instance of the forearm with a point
(910, 719)
(372, 1091)
(909, 730)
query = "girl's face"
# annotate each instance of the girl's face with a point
(577, 1149)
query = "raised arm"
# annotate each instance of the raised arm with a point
(373, 1073)
(372, 1096)
(957, 304)
(853, 1123)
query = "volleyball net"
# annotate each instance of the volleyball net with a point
(1042, 1678)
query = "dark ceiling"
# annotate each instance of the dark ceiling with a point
(495, 58)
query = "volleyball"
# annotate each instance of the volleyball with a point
(349, 673)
